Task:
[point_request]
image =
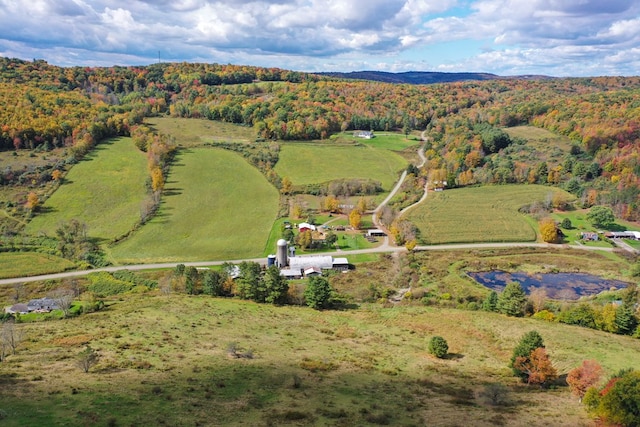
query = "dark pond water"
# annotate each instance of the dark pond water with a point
(567, 286)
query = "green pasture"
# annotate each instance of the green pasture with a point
(308, 163)
(579, 224)
(164, 361)
(215, 206)
(18, 264)
(105, 191)
(478, 214)
(385, 140)
(195, 132)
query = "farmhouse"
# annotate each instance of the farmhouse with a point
(366, 134)
(589, 236)
(42, 305)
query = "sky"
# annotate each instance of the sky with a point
(505, 37)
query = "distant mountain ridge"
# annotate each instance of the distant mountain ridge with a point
(427, 77)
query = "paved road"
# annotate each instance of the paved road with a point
(379, 249)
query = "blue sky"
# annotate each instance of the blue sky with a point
(505, 37)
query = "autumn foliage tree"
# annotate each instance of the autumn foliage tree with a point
(549, 230)
(586, 375)
(33, 201)
(355, 219)
(537, 367)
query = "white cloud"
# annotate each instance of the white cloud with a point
(558, 37)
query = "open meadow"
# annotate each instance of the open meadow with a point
(479, 214)
(105, 191)
(196, 132)
(385, 140)
(215, 206)
(314, 163)
(182, 360)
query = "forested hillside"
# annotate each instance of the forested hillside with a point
(46, 107)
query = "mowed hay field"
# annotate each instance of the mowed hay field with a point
(15, 264)
(164, 360)
(195, 132)
(309, 163)
(105, 191)
(479, 214)
(215, 207)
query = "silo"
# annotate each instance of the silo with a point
(281, 253)
(271, 260)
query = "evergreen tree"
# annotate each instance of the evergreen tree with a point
(317, 294)
(529, 342)
(490, 303)
(275, 285)
(626, 320)
(512, 300)
(438, 347)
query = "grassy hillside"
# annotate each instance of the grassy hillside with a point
(164, 361)
(215, 206)
(17, 264)
(307, 163)
(104, 191)
(195, 132)
(478, 214)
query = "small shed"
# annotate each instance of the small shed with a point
(291, 273)
(376, 232)
(312, 271)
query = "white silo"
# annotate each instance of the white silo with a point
(281, 253)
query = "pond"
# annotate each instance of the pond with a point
(565, 286)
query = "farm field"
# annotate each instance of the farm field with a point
(164, 361)
(215, 206)
(104, 191)
(16, 264)
(478, 214)
(196, 132)
(383, 140)
(308, 163)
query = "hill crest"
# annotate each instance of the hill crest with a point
(426, 77)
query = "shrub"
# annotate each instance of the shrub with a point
(618, 402)
(438, 347)
(545, 315)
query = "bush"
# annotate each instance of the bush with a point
(618, 402)
(438, 347)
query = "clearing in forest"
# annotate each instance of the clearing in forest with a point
(479, 214)
(215, 206)
(196, 132)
